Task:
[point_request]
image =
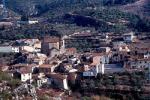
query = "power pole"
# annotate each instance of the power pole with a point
(149, 73)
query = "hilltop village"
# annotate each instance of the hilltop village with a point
(59, 68)
(74, 49)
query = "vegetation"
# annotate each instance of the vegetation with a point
(89, 15)
(5, 95)
(34, 7)
(95, 97)
(39, 30)
(6, 58)
(45, 97)
(125, 21)
(116, 86)
(118, 2)
(9, 84)
(4, 77)
(100, 20)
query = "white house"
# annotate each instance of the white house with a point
(147, 55)
(23, 71)
(124, 48)
(129, 37)
(54, 52)
(102, 65)
(29, 45)
(41, 81)
(28, 22)
(26, 76)
(97, 66)
(30, 49)
(101, 58)
(104, 59)
(58, 81)
(23, 74)
(100, 68)
(92, 72)
(9, 49)
(93, 69)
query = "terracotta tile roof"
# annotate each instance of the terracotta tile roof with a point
(46, 65)
(71, 50)
(57, 76)
(25, 70)
(23, 65)
(51, 39)
(93, 64)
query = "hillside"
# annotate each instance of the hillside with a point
(141, 7)
(38, 7)
(11, 14)
(63, 17)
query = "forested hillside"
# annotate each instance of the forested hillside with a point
(37, 7)
(141, 7)
(67, 16)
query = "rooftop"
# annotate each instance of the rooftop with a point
(46, 66)
(51, 39)
(25, 70)
(23, 65)
(57, 76)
